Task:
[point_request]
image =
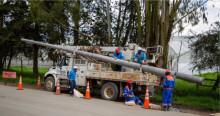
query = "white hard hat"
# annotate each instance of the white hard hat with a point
(75, 67)
(139, 48)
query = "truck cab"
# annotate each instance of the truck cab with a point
(60, 71)
(101, 75)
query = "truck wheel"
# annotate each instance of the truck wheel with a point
(50, 84)
(109, 91)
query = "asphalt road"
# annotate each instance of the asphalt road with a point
(30, 102)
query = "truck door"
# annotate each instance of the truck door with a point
(64, 67)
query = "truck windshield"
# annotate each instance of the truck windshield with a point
(64, 61)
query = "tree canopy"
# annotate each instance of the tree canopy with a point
(206, 50)
(87, 22)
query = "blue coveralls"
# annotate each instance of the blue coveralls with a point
(129, 96)
(118, 56)
(140, 57)
(168, 85)
(72, 79)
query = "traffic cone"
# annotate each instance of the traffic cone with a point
(38, 85)
(146, 100)
(20, 85)
(87, 96)
(58, 87)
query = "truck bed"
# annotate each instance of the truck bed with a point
(136, 77)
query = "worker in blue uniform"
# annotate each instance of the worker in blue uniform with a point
(129, 94)
(168, 85)
(118, 55)
(140, 57)
(72, 79)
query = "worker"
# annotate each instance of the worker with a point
(118, 55)
(129, 94)
(140, 57)
(168, 85)
(72, 79)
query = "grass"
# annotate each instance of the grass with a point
(185, 94)
(27, 76)
(188, 95)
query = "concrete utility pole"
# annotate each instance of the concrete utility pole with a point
(145, 68)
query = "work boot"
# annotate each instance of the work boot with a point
(164, 108)
(168, 108)
(73, 93)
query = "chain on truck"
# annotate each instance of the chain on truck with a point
(101, 75)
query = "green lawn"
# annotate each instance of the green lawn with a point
(27, 74)
(188, 95)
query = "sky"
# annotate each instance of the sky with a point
(213, 15)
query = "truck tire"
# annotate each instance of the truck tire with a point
(49, 84)
(109, 91)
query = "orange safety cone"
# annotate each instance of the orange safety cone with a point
(20, 85)
(58, 87)
(87, 96)
(38, 85)
(146, 100)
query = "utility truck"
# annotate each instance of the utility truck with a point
(102, 76)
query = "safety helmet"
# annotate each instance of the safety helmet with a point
(167, 70)
(75, 67)
(139, 49)
(117, 50)
(129, 81)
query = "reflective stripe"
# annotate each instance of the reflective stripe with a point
(168, 88)
(164, 104)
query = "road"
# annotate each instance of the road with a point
(30, 102)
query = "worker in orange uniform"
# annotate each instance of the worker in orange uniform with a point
(168, 85)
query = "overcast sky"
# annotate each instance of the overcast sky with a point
(213, 15)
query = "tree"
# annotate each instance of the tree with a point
(95, 23)
(151, 22)
(125, 23)
(47, 22)
(74, 9)
(12, 15)
(206, 51)
(171, 16)
(145, 22)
